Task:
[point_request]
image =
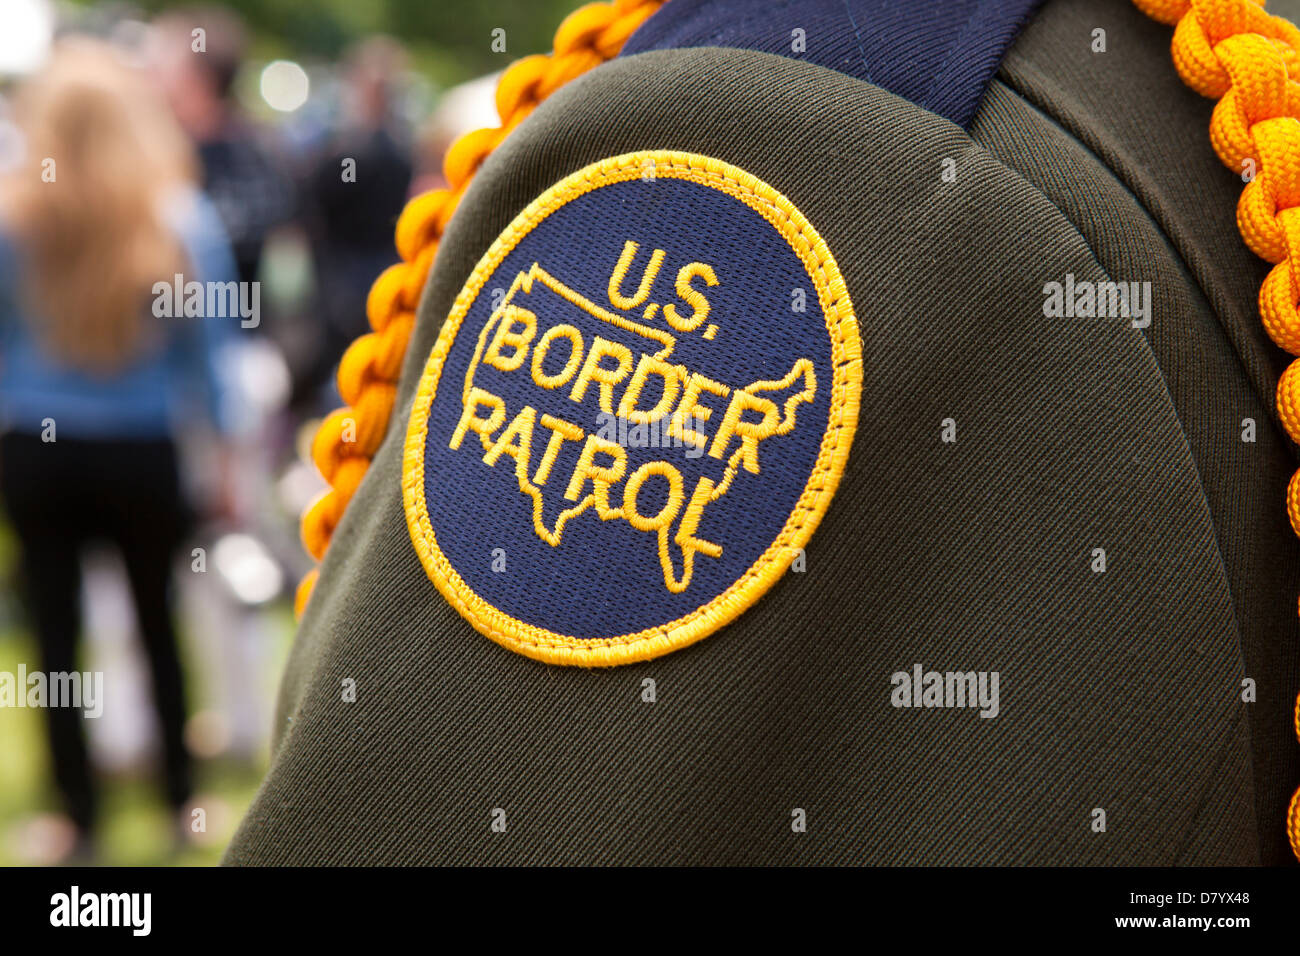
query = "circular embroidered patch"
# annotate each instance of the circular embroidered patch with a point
(636, 413)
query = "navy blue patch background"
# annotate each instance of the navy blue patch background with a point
(939, 54)
(604, 579)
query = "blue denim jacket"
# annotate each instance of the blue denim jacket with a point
(174, 384)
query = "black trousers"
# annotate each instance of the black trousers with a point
(61, 496)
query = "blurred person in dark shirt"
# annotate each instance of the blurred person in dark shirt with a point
(353, 195)
(95, 383)
(240, 175)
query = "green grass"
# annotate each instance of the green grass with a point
(135, 827)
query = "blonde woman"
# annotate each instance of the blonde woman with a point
(93, 384)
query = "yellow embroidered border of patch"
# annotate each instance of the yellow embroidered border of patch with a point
(846, 355)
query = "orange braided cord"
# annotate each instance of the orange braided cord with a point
(1233, 51)
(367, 378)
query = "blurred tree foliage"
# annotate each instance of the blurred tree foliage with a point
(449, 40)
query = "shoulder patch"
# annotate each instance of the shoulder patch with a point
(636, 413)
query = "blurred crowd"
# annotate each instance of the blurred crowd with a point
(182, 263)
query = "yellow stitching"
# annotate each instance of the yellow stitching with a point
(469, 421)
(602, 476)
(691, 408)
(846, 360)
(516, 441)
(606, 378)
(506, 336)
(560, 431)
(577, 298)
(692, 296)
(773, 423)
(521, 428)
(524, 282)
(543, 348)
(670, 375)
(647, 278)
(668, 513)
